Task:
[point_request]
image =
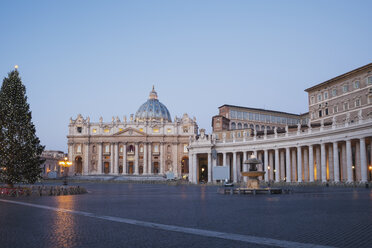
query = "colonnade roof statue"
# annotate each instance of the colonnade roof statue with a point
(153, 109)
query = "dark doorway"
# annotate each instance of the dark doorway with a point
(156, 167)
(130, 168)
(106, 167)
(79, 165)
(203, 170)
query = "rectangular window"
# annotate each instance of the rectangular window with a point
(325, 95)
(245, 116)
(155, 130)
(334, 92)
(141, 129)
(239, 115)
(185, 148)
(250, 116)
(312, 100)
(262, 117)
(356, 84)
(169, 130)
(232, 114)
(156, 148)
(319, 97)
(106, 130)
(94, 130)
(346, 106)
(335, 109)
(320, 113)
(357, 102)
(326, 111)
(107, 148)
(369, 80)
(257, 117)
(79, 129)
(185, 129)
(345, 88)
(78, 149)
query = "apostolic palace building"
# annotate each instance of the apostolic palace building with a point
(330, 143)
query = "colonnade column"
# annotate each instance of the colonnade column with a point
(349, 161)
(271, 165)
(112, 157)
(209, 167)
(317, 161)
(266, 159)
(288, 164)
(277, 167)
(191, 160)
(306, 165)
(116, 158)
(245, 165)
(145, 158)
(99, 164)
(294, 165)
(282, 164)
(195, 169)
(330, 163)
(136, 159)
(299, 164)
(357, 170)
(323, 162)
(363, 160)
(224, 159)
(311, 163)
(235, 176)
(125, 171)
(336, 168)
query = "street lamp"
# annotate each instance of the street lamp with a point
(65, 164)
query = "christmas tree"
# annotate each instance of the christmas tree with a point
(20, 148)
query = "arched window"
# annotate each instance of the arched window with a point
(257, 127)
(262, 127)
(245, 125)
(268, 127)
(233, 125)
(251, 126)
(239, 126)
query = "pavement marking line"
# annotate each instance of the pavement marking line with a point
(180, 229)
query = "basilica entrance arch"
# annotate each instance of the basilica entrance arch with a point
(203, 168)
(185, 165)
(78, 165)
(106, 167)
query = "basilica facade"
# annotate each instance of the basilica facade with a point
(147, 143)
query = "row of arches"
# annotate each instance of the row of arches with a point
(239, 125)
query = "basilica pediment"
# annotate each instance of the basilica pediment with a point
(130, 132)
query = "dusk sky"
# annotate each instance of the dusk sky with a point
(101, 58)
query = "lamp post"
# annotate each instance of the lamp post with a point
(65, 164)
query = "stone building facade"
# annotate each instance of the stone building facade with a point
(50, 167)
(148, 143)
(329, 147)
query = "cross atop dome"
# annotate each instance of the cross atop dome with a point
(153, 94)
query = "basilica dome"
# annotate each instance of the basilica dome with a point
(152, 109)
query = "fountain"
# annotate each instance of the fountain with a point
(253, 173)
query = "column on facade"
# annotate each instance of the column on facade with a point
(318, 163)
(282, 164)
(330, 163)
(99, 164)
(277, 167)
(294, 165)
(363, 160)
(336, 166)
(311, 164)
(125, 170)
(175, 160)
(299, 164)
(149, 164)
(323, 162)
(145, 172)
(349, 161)
(136, 162)
(116, 166)
(162, 158)
(209, 167)
(86, 159)
(112, 158)
(266, 164)
(306, 165)
(288, 164)
(357, 170)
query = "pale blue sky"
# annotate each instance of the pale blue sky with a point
(101, 58)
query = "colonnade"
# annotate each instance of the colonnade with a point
(346, 160)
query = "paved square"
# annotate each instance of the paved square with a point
(148, 215)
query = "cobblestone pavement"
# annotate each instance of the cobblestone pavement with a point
(340, 217)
